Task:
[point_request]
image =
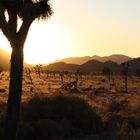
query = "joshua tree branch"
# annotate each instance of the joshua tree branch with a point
(23, 31)
(12, 20)
(5, 27)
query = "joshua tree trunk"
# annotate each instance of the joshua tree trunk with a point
(126, 66)
(126, 74)
(15, 91)
(27, 11)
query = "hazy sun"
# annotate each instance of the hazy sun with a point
(45, 43)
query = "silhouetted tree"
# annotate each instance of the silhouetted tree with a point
(38, 69)
(28, 75)
(47, 73)
(125, 68)
(10, 12)
(107, 71)
(137, 72)
(77, 74)
(54, 74)
(61, 74)
(70, 76)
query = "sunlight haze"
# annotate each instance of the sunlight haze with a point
(81, 28)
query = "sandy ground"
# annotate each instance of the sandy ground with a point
(97, 90)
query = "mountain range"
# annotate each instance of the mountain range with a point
(96, 66)
(81, 60)
(89, 64)
(5, 60)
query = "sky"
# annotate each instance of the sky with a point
(84, 28)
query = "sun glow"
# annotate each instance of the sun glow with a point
(4, 44)
(45, 43)
(83, 28)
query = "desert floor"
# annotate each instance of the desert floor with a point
(97, 90)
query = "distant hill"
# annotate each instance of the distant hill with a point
(114, 67)
(81, 60)
(61, 66)
(134, 65)
(76, 60)
(4, 60)
(90, 66)
(95, 66)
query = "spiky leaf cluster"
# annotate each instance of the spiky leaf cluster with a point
(31, 9)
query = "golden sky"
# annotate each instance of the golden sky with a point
(80, 28)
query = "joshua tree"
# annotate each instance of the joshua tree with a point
(38, 69)
(107, 71)
(125, 67)
(61, 74)
(28, 75)
(77, 73)
(47, 73)
(54, 74)
(137, 72)
(11, 11)
(70, 76)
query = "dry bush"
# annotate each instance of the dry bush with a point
(116, 106)
(2, 90)
(58, 116)
(111, 121)
(2, 116)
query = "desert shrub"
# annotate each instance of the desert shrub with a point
(103, 80)
(61, 116)
(2, 116)
(111, 121)
(123, 127)
(2, 112)
(134, 121)
(40, 130)
(116, 106)
(1, 133)
(2, 90)
(135, 134)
